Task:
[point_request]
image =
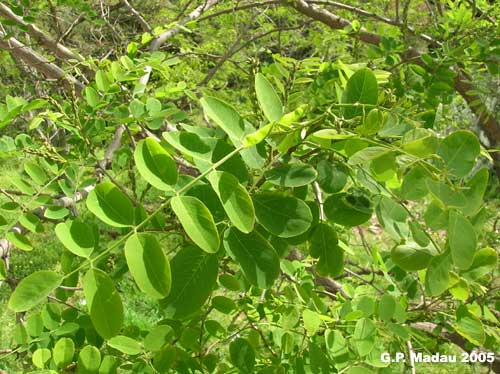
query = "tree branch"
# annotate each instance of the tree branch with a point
(196, 13)
(47, 43)
(138, 16)
(39, 63)
(487, 121)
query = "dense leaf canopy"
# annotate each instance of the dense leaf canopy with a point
(275, 186)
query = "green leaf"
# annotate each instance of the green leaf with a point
(19, 240)
(435, 216)
(3, 270)
(36, 173)
(469, 326)
(31, 222)
(335, 343)
(34, 325)
(153, 106)
(225, 116)
(351, 208)
(368, 154)
(474, 192)
(228, 119)
(362, 88)
(104, 303)
(312, 321)
(411, 258)
(257, 136)
(331, 177)
(445, 194)
(89, 360)
(268, 99)
(92, 97)
(109, 365)
(158, 337)
(281, 215)
(102, 81)
(392, 217)
(461, 239)
(194, 275)
(155, 164)
(33, 289)
(485, 261)
(418, 234)
(223, 304)
(148, 264)
(291, 175)
(40, 357)
(419, 142)
(437, 277)
(364, 336)
(459, 151)
(332, 134)
(207, 151)
(63, 353)
(230, 282)
(111, 205)
(242, 355)
(386, 307)
(384, 168)
(197, 221)
(125, 345)
(77, 237)
(323, 245)
(414, 185)
(56, 212)
(22, 185)
(235, 200)
(136, 108)
(257, 258)
(163, 360)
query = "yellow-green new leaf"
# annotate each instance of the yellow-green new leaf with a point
(125, 344)
(197, 221)
(63, 353)
(155, 165)
(257, 136)
(235, 200)
(148, 264)
(268, 99)
(33, 289)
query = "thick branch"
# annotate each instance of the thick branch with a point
(38, 62)
(332, 20)
(46, 42)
